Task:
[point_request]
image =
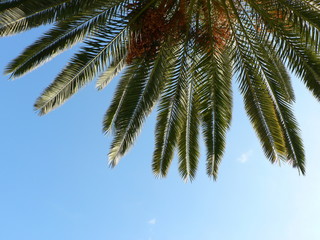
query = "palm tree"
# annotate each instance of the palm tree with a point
(181, 55)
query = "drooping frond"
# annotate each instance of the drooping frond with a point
(188, 147)
(215, 93)
(111, 115)
(63, 36)
(293, 50)
(216, 105)
(27, 14)
(125, 126)
(278, 122)
(169, 120)
(91, 60)
(258, 102)
(116, 66)
(137, 104)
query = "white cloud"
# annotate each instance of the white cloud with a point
(152, 221)
(245, 156)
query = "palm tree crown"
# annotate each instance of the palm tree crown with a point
(181, 55)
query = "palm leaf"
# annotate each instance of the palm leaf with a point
(188, 147)
(82, 69)
(114, 69)
(169, 118)
(34, 13)
(137, 104)
(62, 36)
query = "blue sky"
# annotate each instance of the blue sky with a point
(55, 182)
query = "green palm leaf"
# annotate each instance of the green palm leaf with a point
(137, 105)
(82, 69)
(28, 14)
(169, 118)
(62, 36)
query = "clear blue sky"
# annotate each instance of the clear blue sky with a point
(55, 182)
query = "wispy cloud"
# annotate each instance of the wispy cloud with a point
(245, 156)
(152, 221)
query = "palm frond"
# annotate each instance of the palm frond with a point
(62, 36)
(258, 102)
(215, 96)
(216, 107)
(188, 146)
(169, 118)
(292, 49)
(111, 116)
(137, 104)
(114, 69)
(83, 68)
(281, 100)
(33, 13)
(125, 126)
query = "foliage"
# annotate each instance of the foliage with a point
(181, 54)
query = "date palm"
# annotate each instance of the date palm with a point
(180, 55)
